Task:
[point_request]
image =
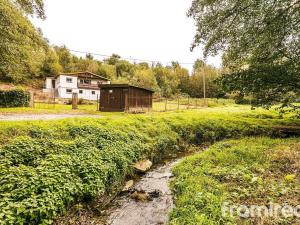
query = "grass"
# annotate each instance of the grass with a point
(249, 171)
(158, 106)
(47, 166)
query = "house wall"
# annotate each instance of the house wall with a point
(62, 86)
(48, 82)
(62, 81)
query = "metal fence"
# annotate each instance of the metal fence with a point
(144, 104)
(180, 103)
(50, 101)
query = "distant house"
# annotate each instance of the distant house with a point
(124, 97)
(86, 84)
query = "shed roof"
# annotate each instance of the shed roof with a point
(123, 86)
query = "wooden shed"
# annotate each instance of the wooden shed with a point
(124, 98)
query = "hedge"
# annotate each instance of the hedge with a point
(14, 98)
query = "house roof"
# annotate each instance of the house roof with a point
(86, 74)
(103, 86)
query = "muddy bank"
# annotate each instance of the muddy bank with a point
(149, 201)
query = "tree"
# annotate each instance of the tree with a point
(166, 80)
(66, 59)
(145, 78)
(51, 64)
(22, 47)
(31, 7)
(196, 81)
(259, 39)
(113, 60)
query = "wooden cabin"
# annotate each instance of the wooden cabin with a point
(124, 98)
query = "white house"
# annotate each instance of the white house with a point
(86, 84)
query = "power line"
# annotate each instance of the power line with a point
(131, 59)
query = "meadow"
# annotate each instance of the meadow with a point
(48, 166)
(249, 171)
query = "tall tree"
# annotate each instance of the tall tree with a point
(31, 7)
(260, 40)
(22, 47)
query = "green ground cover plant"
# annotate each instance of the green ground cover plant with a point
(249, 171)
(47, 166)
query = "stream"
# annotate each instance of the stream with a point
(148, 202)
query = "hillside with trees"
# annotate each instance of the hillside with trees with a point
(26, 55)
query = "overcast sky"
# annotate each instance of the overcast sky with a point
(156, 30)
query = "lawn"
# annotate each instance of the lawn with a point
(249, 171)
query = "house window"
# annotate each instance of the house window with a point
(85, 81)
(69, 80)
(93, 92)
(69, 91)
(80, 91)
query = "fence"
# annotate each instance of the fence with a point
(51, 102)
(173, 104)
(143, 103)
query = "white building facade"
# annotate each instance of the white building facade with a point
(86, 84)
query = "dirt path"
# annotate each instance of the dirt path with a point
(18, 117)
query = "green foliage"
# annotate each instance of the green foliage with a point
(47, 166)
(31, 7)
(195, 86)
(260, 42)
(22, 47)
(14, 98)
(237, 171)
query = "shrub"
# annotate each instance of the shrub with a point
(14, 98)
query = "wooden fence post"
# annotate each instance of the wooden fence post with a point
(31, 102)
(97, 103)
(166, 103)
(74, 101)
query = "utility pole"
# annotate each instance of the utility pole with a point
(204, 85)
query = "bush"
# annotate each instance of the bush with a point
(14, 98)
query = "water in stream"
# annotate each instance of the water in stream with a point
(154, 211)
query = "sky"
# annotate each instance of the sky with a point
(155, 30)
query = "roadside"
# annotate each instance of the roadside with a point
(18, 117)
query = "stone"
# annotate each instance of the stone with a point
(143, 166)
(128, 185)
(140, 196)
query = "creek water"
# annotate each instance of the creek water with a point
(129, 210)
